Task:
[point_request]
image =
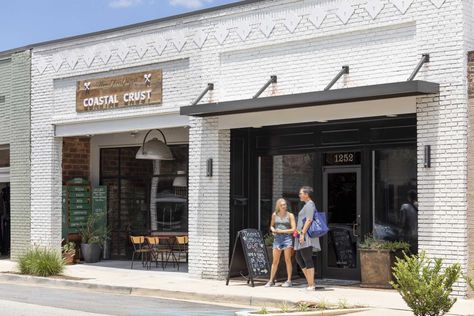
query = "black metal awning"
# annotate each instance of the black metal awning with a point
(345, 95)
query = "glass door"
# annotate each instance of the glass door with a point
(342, 202)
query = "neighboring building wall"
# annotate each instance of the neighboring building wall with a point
(76, 158)
(470, 154)
(305, 43)
(15, 130)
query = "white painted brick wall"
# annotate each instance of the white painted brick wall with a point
(382, 50)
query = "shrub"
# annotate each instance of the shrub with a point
(379, 244)
(42, 262)
(424, 285)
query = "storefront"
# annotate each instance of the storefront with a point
(362, 171)
(334, 109)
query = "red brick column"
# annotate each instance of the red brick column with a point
(76, 157)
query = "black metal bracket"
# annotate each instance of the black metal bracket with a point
(273, 79)
(425, 58)
(210, 87)
(344, 71)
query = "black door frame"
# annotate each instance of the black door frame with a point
(331, 272)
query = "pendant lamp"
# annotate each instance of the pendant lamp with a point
(154, 149)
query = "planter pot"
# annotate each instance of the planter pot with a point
(69, 257)
(376, 267)
(91, 252)
(281, 272)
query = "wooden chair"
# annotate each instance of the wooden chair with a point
(180, 247)
(141, 249)
(157, 250)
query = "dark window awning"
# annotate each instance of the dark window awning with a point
(357, 94)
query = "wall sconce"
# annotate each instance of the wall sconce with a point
(209, 167)
(427, 157)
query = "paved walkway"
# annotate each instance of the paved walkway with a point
(183, 286)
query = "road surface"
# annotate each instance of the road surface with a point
(21, 300)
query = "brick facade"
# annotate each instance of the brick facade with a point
(380, 47)
(15, 125)
(76, 157)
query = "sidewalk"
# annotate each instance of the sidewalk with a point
(182, 286)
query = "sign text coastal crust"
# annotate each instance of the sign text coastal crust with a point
(137, 89)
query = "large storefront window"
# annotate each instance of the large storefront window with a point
(144, 196)
(169, 201)
(128, 182)
(282, 177)
(395, 205)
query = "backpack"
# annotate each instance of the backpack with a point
(319, 226)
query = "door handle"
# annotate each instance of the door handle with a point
(240, 201)
(355, 227)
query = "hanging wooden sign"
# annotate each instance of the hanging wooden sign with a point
(141, 88)
(249, 257)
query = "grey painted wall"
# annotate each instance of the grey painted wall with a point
(15, 130)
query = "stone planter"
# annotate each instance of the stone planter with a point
(281, 272)
(91, 252)
(376, 267)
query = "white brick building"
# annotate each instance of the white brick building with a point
(304, 43)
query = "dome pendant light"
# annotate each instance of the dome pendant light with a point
(154, 149)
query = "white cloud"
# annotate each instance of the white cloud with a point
(124, 3)
(189, 4)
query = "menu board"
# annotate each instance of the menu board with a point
(346, 253)
(78, 203)
(250, 256)
(99, 203)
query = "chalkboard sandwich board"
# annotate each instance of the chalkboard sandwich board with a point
(249, 257)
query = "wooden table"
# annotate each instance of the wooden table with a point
(170, 238)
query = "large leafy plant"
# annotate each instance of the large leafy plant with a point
(94, 231)
(425, 284)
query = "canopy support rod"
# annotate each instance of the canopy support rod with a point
(273, 79)
(425, 58)
(210, 87)
(344, 71)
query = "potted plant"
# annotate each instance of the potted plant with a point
(377, 259)
(69, 251)
(91, 237)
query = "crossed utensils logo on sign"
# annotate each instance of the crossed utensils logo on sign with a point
(147, 78)
(87, 86)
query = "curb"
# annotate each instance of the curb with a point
(125, 290)
(312, 313)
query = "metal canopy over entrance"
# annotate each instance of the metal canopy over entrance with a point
(345, 95)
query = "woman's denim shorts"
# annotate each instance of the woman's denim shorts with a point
(282, 241)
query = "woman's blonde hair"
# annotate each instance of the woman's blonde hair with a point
(278, 204)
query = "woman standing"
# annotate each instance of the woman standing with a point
(282, 226)
(304, 244)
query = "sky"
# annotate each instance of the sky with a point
(25, 22)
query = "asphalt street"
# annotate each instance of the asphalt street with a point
(20, 300)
